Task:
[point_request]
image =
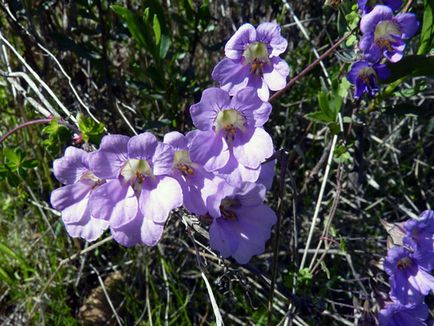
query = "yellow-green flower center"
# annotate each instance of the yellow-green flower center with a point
(256, 55)
(384, 34)
(230, 121)
(366, 73)
(182, 162)
(135, 171)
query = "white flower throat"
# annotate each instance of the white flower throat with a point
(230, 121)
(135, 171)
(256, 55)
(385, 34)
(182, 162)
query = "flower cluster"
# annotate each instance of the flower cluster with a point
(219, 171)
(383, 39)
(409, 268)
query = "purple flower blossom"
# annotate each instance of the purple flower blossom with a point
(409, 275)
(201, 189)
(242, 224)
(138, 194)
(252, 59)
(420, 234)
(230, 138)
(384, 34)
(365, 75)
(73, 199)
(367, 5)
(396, 314)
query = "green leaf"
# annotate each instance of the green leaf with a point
(427, 32)
(157, 30)
(341, 155)
(13, 158)
(4, 276)
(57, 134)
(91, 131)
(164, 46)
(136, 26)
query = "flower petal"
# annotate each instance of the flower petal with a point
(235, 46)
(129, 234)
(209, 149)
(177, 140)
(275, 75)
(222, 237)
(115, 202)
(235, 173)
(253, 147)
(142, 146)
(151, 232)
(159, 197)
(369, 21)
(232, 75)
(269, 33)
(204, 113)
(408, 24)
(254, 110)
(89, 228)
(71, 166)
(111, 156)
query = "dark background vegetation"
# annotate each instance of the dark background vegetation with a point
(131, 80)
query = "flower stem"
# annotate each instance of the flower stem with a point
(35, 122)
(310, 67)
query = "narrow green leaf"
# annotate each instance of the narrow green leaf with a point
(157, 30)
(427, 32)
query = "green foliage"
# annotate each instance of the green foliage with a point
(56, 135)
(330, 104)
(15, 166)
(341, 155)
(15, 267)
(91, 131)
(427, 32)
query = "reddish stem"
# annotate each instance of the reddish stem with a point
(309, 67)
(34, 122)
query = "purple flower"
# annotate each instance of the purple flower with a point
(230, 135)
(138, 194)
(201, 189)
(367, 5)
(73, 199)
(252, 59)
(409, 275)
(242, 224)
(396, 314)
(364, 75)
(420, 234)
(384, 34)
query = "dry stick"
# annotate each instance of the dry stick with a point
(112, 307)
(318, 204)
(36, 76)
(33, 86)
(70, 83)
(8, 67)
(310, 67)
(306, 36)
(275, 245)
(283, 167)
